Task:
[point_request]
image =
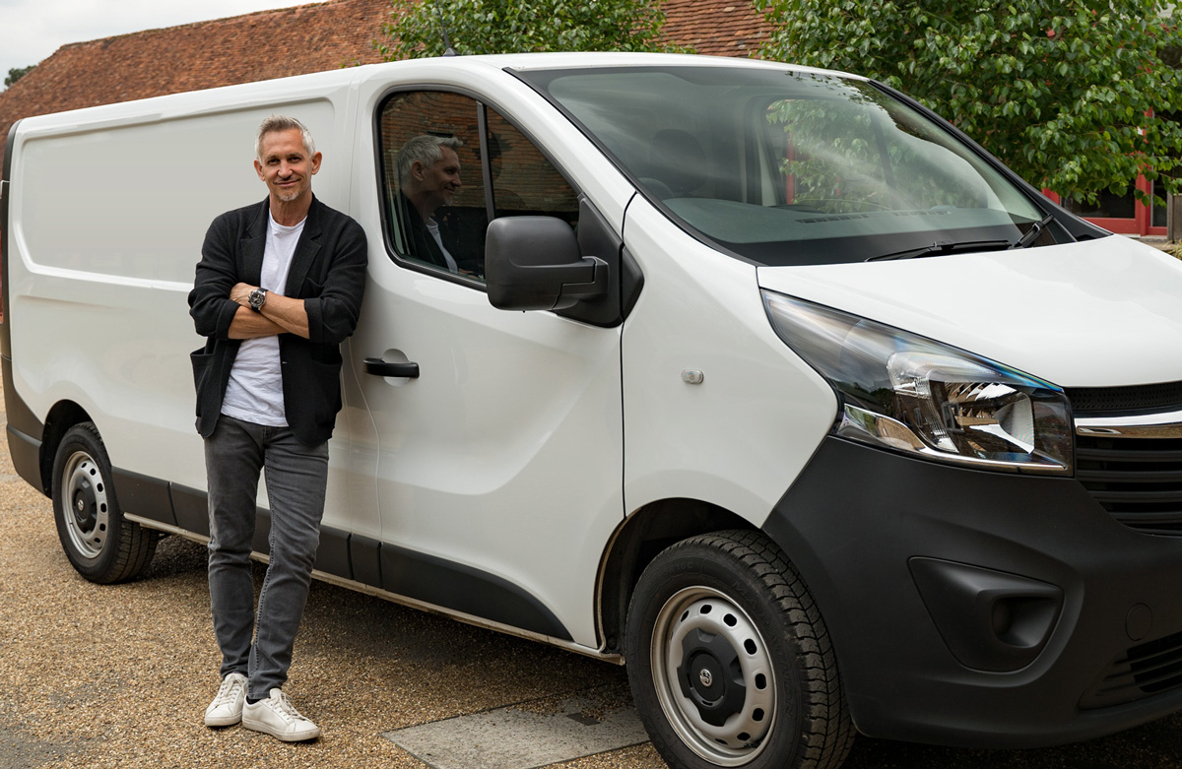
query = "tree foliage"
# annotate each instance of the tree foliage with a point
(1074, 95)
(16, 73)
(518, 26)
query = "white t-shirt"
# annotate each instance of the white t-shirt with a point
(255, 391)
(433, 228)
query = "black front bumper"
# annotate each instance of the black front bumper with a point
(981, 608)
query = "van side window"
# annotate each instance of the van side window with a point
(524, 182)
(435, 200)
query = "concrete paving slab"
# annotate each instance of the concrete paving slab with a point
(529, 734)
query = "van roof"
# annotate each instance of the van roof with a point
(161, 107)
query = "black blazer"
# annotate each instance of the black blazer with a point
(327, 272)
(420, 241)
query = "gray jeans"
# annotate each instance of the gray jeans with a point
(296, 478)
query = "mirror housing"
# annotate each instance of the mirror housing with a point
(533, 263)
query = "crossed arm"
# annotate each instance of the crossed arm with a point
(280, 314)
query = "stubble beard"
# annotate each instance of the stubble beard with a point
(290, 195)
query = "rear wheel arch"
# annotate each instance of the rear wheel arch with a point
(63, 416)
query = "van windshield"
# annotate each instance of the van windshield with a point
(784, 167)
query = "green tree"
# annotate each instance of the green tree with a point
(517, 26)
(16, 73)
(1074, 95)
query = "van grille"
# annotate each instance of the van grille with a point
(1136, 479)
(1142, 671)
(1125, 401)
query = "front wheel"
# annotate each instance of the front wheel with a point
(729, 660)
(101, 545)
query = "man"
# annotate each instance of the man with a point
(429, 175)
(277, 290)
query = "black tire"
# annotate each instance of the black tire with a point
(101, 545)
(730, 662)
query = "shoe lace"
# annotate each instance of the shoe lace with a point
(228, 691)
(282, 705)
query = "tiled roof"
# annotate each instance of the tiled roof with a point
(291, 41)
(716, 27)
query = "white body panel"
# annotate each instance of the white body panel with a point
(740, 437)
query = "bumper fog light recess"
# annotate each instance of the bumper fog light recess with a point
(990, 620)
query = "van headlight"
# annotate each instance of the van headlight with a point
(912, 394)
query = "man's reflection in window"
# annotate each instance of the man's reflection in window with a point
(429, 175)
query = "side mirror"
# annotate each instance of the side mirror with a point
(533, 263)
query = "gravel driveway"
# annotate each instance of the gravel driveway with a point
(119, 676)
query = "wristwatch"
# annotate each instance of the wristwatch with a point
(257, 299)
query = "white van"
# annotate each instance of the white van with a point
(764, 379)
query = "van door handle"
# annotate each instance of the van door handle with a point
(379, 367)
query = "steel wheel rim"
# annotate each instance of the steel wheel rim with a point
(86, 508)
(746, 730)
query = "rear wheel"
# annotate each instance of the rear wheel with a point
(729, 660)
(101, 545)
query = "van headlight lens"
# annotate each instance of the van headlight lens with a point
(905, 392)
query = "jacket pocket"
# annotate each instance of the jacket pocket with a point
(202, 370)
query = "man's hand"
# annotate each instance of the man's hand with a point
(240, 293)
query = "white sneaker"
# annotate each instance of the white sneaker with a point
(226, 708)
(277, 717)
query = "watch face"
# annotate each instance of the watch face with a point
(257, 297)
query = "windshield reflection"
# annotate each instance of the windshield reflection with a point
(788, 167)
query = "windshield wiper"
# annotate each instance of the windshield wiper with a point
(939, 249)
(1035, 230)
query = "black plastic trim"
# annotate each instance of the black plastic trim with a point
(856, 517)
(18, 413)
(25, 451)
(190, 508)
(463, 588)
(597, 238)
(332, 557)
(379, 367)
(364, 555)
(143, 496)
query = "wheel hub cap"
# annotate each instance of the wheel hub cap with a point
(714, 676)
(84, 506)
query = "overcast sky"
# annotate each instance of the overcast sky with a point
(31, 30)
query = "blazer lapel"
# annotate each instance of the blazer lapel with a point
(305, 252)
(252, 247)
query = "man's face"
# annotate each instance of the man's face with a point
(440, 181)
(286, 168)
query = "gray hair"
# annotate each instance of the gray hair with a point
(424, 148)
(276, 123)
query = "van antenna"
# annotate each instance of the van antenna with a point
(446, 42)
